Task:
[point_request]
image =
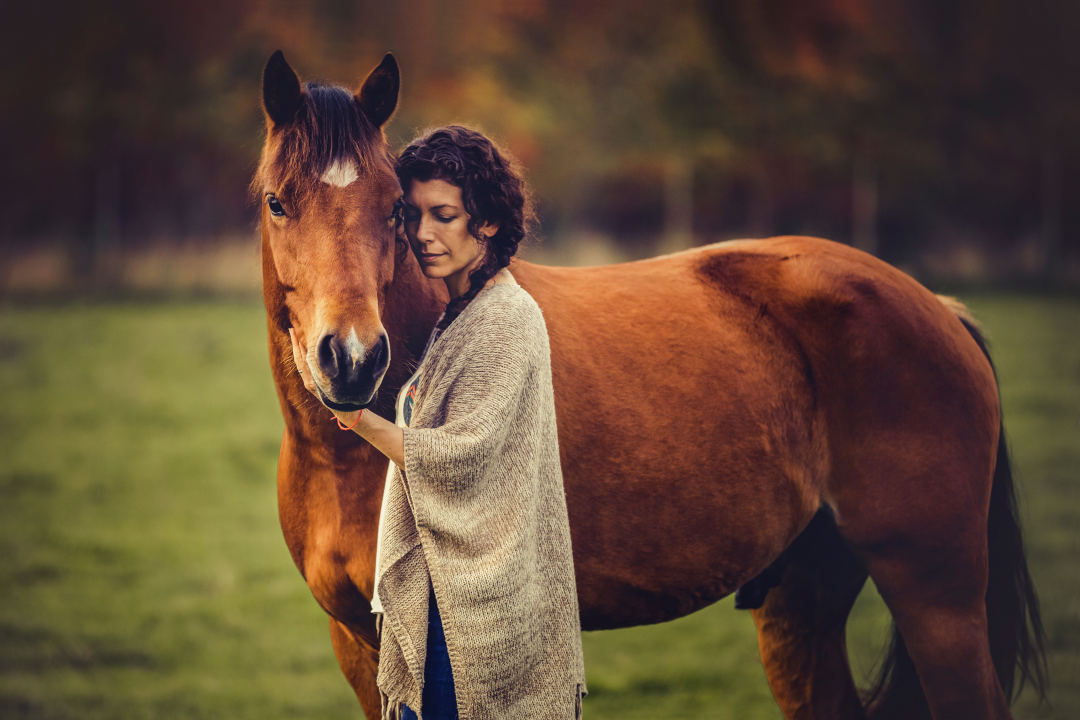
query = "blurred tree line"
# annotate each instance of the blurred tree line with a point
(902, 126)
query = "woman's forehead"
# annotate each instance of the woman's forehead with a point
(432, 193)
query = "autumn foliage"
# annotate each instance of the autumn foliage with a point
(907, 128)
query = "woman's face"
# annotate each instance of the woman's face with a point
(437, 227)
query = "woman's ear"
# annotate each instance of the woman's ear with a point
(488, 230)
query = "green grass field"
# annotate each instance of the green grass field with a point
(143, 574)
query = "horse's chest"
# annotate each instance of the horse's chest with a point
(340, 581)
(329, 526)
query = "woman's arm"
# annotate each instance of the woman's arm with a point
(387, 437)
(384, 435)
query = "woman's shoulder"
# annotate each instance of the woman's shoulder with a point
(506, 322)
(509, 303)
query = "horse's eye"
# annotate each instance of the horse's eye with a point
(275, 205)
(396, 217)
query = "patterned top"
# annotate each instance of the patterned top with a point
(408, 400)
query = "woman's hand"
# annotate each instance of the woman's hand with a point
(348, 419)
(301, 364)
(387, 437)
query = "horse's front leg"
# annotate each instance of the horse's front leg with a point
(359, 660)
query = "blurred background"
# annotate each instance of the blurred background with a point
(142, 570)
(938, 135)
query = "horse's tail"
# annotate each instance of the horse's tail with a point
(1017, 637)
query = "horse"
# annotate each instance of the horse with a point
(788, 416)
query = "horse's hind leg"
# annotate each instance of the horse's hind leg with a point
(936, 591)
(801, 626)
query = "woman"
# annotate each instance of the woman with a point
(474, 580)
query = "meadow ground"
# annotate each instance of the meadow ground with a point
(143, 574)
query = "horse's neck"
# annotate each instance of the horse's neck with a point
(413, 304)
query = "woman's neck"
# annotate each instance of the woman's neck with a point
(456, 289)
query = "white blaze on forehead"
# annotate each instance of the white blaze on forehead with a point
(341, 173)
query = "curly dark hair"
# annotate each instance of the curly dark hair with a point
(492, 189)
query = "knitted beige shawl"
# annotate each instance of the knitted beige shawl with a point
(481, 511)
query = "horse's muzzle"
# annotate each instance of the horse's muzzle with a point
(351, 372)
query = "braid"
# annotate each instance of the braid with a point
(495, 259)
(492, 190)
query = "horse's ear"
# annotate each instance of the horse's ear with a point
(379, 94)
(281, 90)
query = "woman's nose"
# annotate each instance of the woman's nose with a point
(423, 230)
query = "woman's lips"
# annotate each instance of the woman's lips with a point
(430, 256)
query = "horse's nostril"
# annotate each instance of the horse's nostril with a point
(379, 360)
(328, 356)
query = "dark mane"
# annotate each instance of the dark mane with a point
(328, 126)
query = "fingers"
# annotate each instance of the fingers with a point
(295, 345)
(297, 354)
(301, 363)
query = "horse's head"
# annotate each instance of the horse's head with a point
(329, 205)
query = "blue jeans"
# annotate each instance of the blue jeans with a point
(440, 702)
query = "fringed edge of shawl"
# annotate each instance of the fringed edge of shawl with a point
(389, 709)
